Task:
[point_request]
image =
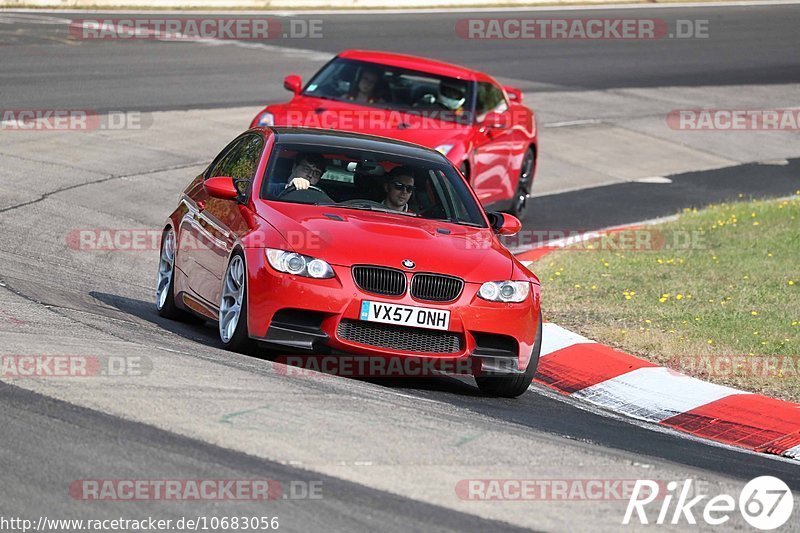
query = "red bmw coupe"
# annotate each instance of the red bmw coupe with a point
(303, 240)
(481, 126)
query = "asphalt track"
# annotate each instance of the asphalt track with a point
(388, 453)
(746, 45)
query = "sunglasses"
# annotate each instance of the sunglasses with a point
(402, 186)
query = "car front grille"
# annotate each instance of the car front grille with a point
(380, 280)
(399, 337)
(436, 287)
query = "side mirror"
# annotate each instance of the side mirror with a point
(514, 94)
(221, 187)
(293, 83)
(495, 120)
(504, 224)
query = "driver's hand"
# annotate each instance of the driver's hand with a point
(300, 183)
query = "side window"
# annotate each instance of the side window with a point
(218, 166)
(490, 98)
(241, 163)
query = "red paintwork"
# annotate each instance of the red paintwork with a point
(493, 156)
(363, 237)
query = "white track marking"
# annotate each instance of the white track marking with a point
(555, 338)
(653, 393)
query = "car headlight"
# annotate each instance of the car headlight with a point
(266, 119)
(298, 264)
(505, 291)
(444, 149)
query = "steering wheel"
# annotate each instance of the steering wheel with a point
(292, 188)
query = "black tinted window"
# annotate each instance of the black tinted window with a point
(490, 98)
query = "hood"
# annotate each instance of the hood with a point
(347, 237)
(333, 114)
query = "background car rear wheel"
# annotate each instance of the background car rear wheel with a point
(165, 281)
(520, 200)
(233, 307)
(513, 386)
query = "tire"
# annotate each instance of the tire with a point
(520, 200)
(233, 307)
(513, 386)
(165, 279)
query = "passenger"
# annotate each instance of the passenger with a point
(399, 187)
(368, 87)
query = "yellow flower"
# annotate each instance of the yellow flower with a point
(648, 321)
(594, 287)
(679, 296)
(709, 341)
(756, 223)
(790, 282)
(754, 313)
(662, 300)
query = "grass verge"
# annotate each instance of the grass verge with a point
(714, 294)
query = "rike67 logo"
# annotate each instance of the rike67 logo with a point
(765, 503)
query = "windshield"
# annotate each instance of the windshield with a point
(359, 179)
(393, 88)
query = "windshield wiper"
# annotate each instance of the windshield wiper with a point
(368, 207)
(460, 222)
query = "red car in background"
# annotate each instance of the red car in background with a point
(480, 125)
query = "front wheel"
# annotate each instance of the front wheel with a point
(513, 386)
(233, 307)
(165, 281)
(520, 200)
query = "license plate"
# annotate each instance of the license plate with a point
(405, 315)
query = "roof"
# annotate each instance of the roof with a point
(359, 141)
(415, 63)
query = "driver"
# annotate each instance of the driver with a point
(399, 187)
(452, 95)
(306, 171)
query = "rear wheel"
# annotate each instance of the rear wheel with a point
(520, 200)
(513, 386)
(233, 307)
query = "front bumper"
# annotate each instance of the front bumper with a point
(306, 315)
